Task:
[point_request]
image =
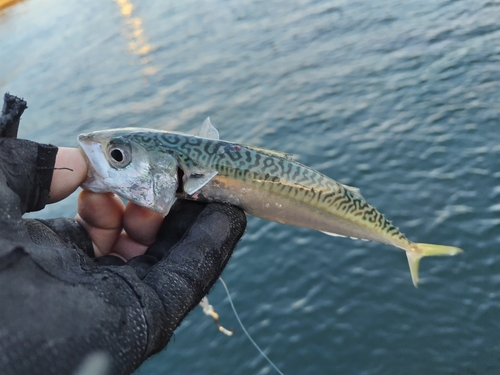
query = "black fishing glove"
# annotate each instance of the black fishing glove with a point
(58, 305)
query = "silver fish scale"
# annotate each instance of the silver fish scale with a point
(271, 172)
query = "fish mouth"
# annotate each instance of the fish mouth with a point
(96, 164)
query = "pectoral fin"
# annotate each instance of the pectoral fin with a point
(194, 176)
(195, 180)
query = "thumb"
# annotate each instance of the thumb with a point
(70, 171)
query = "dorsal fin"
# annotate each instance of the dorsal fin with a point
(207, 130)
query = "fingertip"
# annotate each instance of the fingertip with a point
(128, 248)
(141, 224)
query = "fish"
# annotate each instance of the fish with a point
(153, 168)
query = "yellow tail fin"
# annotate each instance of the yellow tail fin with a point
(422, 250)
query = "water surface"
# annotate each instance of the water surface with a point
(400, 99)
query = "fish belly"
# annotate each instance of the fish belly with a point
(293, 206)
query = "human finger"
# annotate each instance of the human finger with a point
(102, 217)
(127, 248)
(141, 224)
(70, 170)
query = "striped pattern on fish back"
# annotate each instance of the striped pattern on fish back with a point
(274, 172)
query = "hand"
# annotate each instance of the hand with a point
(62, 306)
(104, 216)
(107, 304)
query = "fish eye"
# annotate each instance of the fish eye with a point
(119, 155)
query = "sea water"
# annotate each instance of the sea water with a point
(398, 98)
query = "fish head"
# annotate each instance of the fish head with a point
(123, 162)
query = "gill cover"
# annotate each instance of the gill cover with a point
(125, 167)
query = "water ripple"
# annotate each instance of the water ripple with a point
(397, 98)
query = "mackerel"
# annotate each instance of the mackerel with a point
(152, 168)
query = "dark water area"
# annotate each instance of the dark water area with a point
(397, 98)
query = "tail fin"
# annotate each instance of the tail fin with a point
(422, 250)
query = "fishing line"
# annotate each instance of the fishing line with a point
(245, 331)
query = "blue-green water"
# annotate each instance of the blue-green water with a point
(398, 98)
